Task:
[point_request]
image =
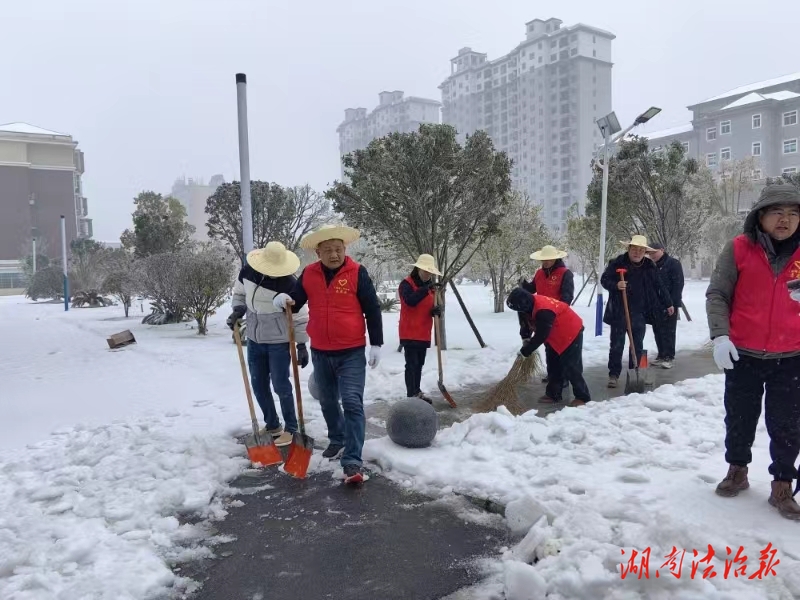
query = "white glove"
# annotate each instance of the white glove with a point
(374, 356)
(724, 351)
(795, 295)
(281, 301)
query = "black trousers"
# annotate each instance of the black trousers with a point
(744, 388)
(665, 331)
(415, 353)
(567, 365)
(619, 333)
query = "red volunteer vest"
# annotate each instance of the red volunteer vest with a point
(763, 316)
(416, 321)
(335, 318)
(567, 325)
(549, 286)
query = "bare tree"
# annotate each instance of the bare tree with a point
(120, 280)
(157, 279)
(506, 256)
(203, 281)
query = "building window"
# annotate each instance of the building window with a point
(711, 159)
(756, 121)
(711, 134)
(757, 174)
(790, 146)
(685, 147)
(790, 118)
(789, 171)
(725, 128)
(725, 154)
(756, 148)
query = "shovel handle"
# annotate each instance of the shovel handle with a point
(628, 319)
(293, 353)
(238, 338)
(438, 335)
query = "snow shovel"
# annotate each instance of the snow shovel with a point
(263, 452)
(634, 381)
(437, 329)
(302, 445)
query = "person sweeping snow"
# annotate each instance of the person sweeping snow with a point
(268, 272)
(755, 326)
(560, 329)
(553, 280)
(340, 296)
(417, 309)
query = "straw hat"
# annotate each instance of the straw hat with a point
(274, 260)
(329, 232)
(548, 253)
(426, 262)
(638, 240)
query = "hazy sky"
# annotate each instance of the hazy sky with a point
(147, 86)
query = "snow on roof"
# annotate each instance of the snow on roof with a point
(752, 87)
(665, 132)
(27, 128)
(755, 97)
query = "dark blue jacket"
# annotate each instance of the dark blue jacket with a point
(646, 292)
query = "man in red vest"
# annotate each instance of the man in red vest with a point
(340, 297)
(560, 329)
(553, 280)
(755, 325)
(417, 309)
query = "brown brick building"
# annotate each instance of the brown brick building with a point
(40, 180)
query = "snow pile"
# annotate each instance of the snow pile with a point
(628, 474)
(93, 512)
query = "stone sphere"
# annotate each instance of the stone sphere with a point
(412, 423)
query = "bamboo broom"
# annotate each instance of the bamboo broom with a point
(505, 391)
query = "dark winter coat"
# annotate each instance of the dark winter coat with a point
(720, 292)
(647, 293)
(671, 272)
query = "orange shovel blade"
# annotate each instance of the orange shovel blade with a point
(266, 455)
(299, 456)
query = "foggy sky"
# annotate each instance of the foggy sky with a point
(147, 86)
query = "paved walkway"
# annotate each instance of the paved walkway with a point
(317, 538)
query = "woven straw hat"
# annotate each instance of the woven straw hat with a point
(638, 240)
(548, 253)
(329, 232)
(274, 260)
(426, 262)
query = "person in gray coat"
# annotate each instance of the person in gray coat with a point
(755, 324)
(270, 271)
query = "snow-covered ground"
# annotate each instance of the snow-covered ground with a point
(100, 450)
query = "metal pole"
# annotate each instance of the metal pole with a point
(601, 264)
(34, 255)
(64, 260)
(244, 164)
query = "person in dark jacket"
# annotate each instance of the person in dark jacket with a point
(665, 330)
(553, 280)
(560, 329)
(343, 307)
(755, 324)
(417, 309)
(648, 298)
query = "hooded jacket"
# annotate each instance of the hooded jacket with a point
(755, 256)
(646, 291)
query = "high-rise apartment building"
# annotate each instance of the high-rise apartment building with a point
(193, 194)
(40, 180)
(761, 120)
(539, 103)
(394, 113)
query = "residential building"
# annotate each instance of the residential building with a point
(394, 113)
(761, 120)
(193, 194)
(539, 103)
(40, 180)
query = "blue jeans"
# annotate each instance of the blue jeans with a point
(271, 362)
(343, 374)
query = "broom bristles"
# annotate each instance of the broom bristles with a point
(504, 393)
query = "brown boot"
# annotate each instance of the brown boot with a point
(781, 498)
(735, 481)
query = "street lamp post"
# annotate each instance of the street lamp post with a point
(609, 126)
